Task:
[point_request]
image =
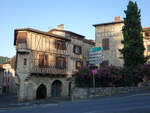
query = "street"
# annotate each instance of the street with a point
(125, 103)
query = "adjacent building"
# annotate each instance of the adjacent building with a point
(109, 36)
(7, 79)
(45, 61)
(146, 39)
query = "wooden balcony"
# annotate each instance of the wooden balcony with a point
(50, 69)
(57, 51)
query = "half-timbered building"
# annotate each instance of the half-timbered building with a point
(45, 61)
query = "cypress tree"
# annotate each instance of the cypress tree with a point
(133, 50)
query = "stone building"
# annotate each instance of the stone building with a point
(7, 79)
(45, 61)
(146, 39)
(109, 36)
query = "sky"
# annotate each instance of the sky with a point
(77, 16)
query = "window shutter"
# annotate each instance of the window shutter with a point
(56, 44)
(56, 66)
(80, 50)
(46, 60)
(40, 60)
(74, 47)
(105, 44)
(64, 62)
(64, 46)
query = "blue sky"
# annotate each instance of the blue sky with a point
(77, 15)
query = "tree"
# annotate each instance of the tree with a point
(133, 50)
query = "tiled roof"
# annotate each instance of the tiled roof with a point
(66, 32)
(146, 29)
(108, 23)
(80, 37)
(38, 31)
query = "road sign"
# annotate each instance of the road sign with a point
(96, 49)
(95, 55)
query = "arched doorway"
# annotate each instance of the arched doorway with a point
(56, 88)
(41, 92)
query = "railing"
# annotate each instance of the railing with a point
(78, 56)
(58, 51)
(50, 68)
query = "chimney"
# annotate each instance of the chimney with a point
(117, 19)
(61, 27)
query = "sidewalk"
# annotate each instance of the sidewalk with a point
(10, 101)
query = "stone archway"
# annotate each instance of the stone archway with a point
(41, 92)
(56, 88)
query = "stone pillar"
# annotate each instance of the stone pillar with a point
(49, 85)
(65, 88)
(21, 91)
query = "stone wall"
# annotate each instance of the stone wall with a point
(85, 93)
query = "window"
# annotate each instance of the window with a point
(79, 64)
(24, 61)
(77, 49)
(43, 60)
(147, 33)
(148, 48)
(104, 63)
(105, 44)
(60, 62)
(59, 44)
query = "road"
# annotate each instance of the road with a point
(128, 103)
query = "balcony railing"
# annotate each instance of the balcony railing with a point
(50, 69)
(58, 51)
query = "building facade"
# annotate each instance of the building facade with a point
(146, 39)
(109, 36)
(45, 62)
(7, 79)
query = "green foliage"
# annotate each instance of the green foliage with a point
(106, 77)
(83, 78)
(128, 77)
(142, 71)
(109, 76)
(133, 50)
(3, 59)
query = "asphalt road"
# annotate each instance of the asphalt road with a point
(128, 103)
